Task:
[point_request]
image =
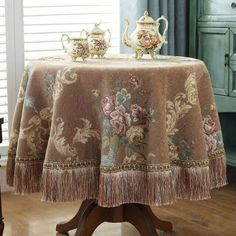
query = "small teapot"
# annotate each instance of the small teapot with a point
(146, 37)
(75, 47)
(97, 42)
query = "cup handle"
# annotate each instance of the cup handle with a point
(83, 31)
(64, 38)
(109, 35)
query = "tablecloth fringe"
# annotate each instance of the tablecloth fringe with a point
(27, 177)
(192, 183)
(116, 188)
(10, 170)
(70, 185)
(217, 169)
(154, 188)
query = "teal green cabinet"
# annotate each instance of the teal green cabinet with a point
(213, 40)
(213, 43)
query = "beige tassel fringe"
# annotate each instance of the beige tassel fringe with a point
(70, 185)
(10, 171)
(217, 168)
(27, 177)
(116, 188)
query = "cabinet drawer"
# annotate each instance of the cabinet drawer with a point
(224, 10)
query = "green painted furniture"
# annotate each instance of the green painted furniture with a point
(213, 40)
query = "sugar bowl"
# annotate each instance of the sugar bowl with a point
(97, 41)
(75, 47)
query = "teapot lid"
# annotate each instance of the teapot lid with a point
(146, 19)
(96, 29)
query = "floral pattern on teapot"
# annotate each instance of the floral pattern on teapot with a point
(75, 47)
(98, 45)
(146, 37)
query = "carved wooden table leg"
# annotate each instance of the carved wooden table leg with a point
(90, 216)
(64, 227)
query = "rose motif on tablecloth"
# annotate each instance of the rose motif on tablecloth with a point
(126, 119)
(120, 120)
(135, 135)
(134, 82)
(139, 114)
(108, 104)
(213, 137)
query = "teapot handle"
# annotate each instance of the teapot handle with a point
(63, 38)
(166, 23)
(84, 31)
(109, 33)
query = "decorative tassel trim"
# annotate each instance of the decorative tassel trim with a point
(150, 188)
(192, 183)
(217, 168)
(116, 188)
(70, 185)
(27, 177)
(10, 171)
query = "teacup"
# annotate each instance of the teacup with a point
(75, 47)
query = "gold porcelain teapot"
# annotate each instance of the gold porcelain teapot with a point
(97, 42)
(146, 37)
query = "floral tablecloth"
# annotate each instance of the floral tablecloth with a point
(117, 130)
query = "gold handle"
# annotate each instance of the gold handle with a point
(84, 31)
(109, 33)
(63, 39)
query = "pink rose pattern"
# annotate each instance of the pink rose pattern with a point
(139, 114)
(108, 105)
(209, 127)
(120, 116)
(134, 82)
(120, 120)
(148, 40)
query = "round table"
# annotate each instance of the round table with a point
(117, 130)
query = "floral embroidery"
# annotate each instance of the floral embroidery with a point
(125, 122)
(179, 149)
(82, 135)
(214, 140)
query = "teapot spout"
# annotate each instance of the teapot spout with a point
(126, 38)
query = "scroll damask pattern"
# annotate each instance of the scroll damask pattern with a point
(64, 76)
(35, 134)
(183, 102)
(181, 105)
(82, 135)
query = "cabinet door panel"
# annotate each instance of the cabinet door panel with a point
(232, 63)
(213, 46)
(216, 10)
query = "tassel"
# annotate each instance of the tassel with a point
(10, 171)
(70, 185)
(217, 167)
(27, 177)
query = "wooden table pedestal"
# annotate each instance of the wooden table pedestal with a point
(90, 216)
